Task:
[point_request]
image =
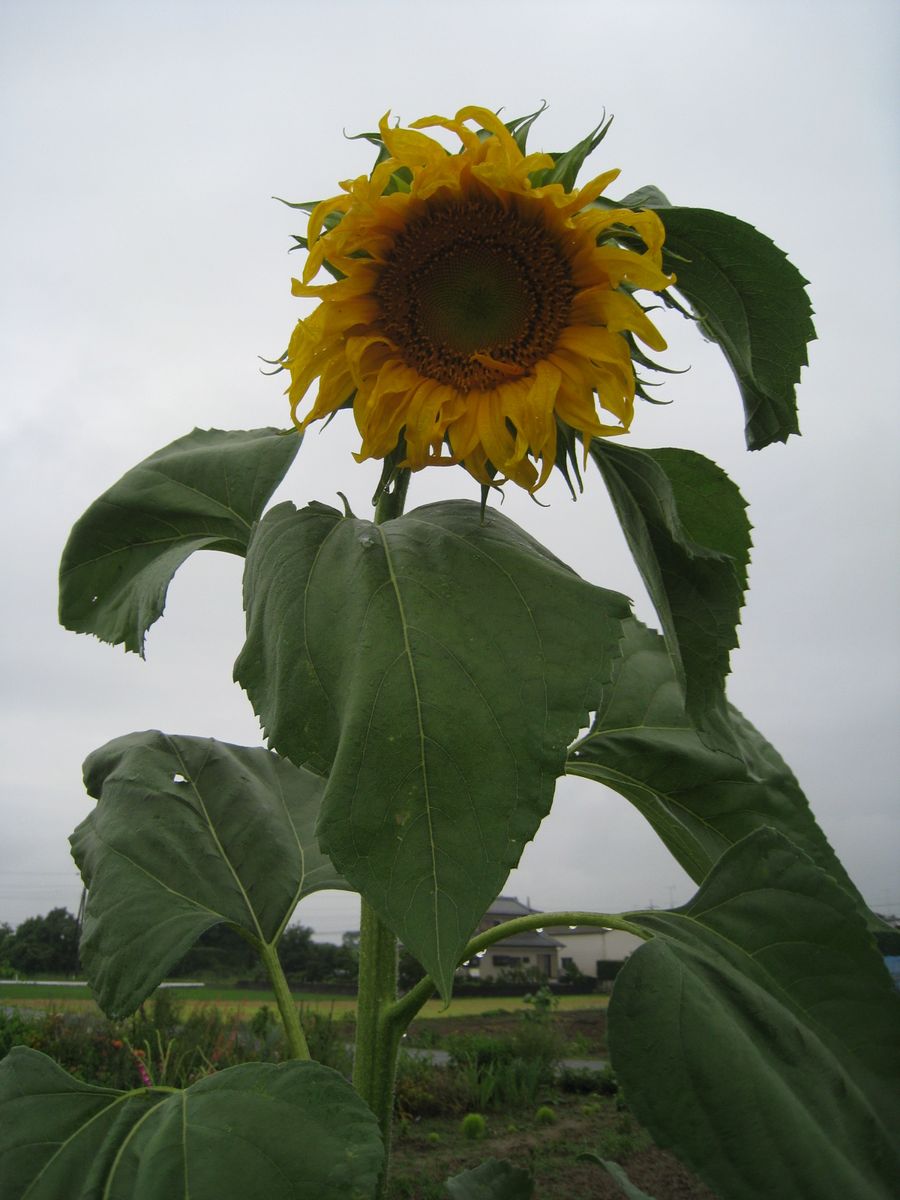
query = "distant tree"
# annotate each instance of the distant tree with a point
(314, 962)
(409, 969)
(888, 941)
(350, 942)
(296, 950)
(218, 953)
(45, 945)
(7, 935)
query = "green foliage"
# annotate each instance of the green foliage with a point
(545, 1115)
(752, 301)
(410, 679)
(424, 1090)
(179, 1044)
(13, 1030)
(43, 945)
(584, 1081)
(688, 532)
(503, 1072)
(493, 1180)
(242, 1132)
(165, 803)
(201, 492)
(700, 800)
(782, 996)
(473, 1126)
(541, 1005)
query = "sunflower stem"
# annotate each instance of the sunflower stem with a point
(377, 1039)
(296, 1038)
(393, 496)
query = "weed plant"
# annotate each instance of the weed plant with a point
(165, 1043)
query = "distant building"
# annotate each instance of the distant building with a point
(534, 952)
(586, 948)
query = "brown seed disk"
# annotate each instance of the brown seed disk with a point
(474, 275)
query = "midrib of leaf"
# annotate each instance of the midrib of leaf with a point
(746, 350)
(286, 532)
(114, 1166)
(290, 909)
(120, 1099)
(497, 566)
(395, 585)
(163, 541)
(777, 991)
(655, 793)
(234, 875)
(156, 879)
(195, 491)
(187, 1189)
(651, 804)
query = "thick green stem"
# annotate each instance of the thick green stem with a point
(377, 1041)
(296, 1038)
(377, 1038)
(393, 497)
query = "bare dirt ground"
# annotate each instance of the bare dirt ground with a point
(428, 1151)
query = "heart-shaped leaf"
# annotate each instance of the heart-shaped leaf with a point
(686, 525)
(437, 666)
(295, 1131)
(758, 1034)
(188, 833)
(699, 800)
(201, 492)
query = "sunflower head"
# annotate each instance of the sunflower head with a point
(481, 306)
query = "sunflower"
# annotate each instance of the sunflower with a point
(476, 307)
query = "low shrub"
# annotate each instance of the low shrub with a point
(479, 1048)
(473, 1126)
(587, 1081)
(425, 1090)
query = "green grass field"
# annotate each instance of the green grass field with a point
(41, 995)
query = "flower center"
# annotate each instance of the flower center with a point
(470, 276)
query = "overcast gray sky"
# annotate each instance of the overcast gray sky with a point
(144, 270)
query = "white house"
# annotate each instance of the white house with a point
(534, 952)
(586, 947)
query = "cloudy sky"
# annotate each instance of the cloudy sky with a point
(144, 269)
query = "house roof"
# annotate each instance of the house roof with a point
(567, 931)
(539, 941)
(509, 906)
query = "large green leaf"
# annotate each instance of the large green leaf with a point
(296, 1131)
(687, 527)
(698, 799)
(495, 1179)
(436, 666)
(758, 1034)
(188, 833)
(201, 492)
(751, 300)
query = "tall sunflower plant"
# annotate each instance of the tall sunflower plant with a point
(424, 678)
